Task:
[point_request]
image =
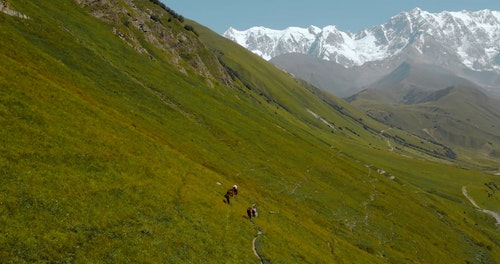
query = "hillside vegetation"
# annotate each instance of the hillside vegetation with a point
(123, 125)
(433, 104)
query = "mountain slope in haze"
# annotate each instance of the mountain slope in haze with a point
(328, 75)
(123, 126)
(331, 76)
(411, 81)
(433, 103)
(465, 43)
(460, 117)
(418, 69)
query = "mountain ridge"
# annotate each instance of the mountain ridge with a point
(466, 43)
(386, 40)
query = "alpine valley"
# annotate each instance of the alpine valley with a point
(123, 125)
(436, 75)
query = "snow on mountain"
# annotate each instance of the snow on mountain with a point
(472, 37)
(269, 43)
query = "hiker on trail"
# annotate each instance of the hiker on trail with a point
(254, 210)
(235, 189)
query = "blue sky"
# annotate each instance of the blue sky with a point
(347, 15)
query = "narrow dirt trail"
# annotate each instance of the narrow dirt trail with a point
(494, 214)
(254, 244)
(255, 250)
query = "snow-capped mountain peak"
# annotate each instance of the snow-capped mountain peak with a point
(472, 38)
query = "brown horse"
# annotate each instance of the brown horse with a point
(229, 194)
(250, 213)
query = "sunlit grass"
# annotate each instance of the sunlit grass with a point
(110, 156)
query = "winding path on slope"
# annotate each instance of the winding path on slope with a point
(254, 244)
(494, 214)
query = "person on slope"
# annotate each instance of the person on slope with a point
(235, 189)
(254, 211)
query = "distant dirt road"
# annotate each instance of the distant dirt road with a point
(494, 214)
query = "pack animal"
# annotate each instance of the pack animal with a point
(229, 194)
(249, 212)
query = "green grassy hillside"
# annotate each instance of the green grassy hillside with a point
(462, 118)
(123, 126)
(434, 104)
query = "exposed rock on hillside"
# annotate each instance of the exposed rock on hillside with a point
(4, 7)
(163, 31)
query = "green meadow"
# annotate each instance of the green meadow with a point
(119, 148)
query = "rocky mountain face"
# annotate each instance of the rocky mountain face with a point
(471, 37)
(134, 23)
(467, 43)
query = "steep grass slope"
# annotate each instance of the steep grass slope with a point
(122, 130)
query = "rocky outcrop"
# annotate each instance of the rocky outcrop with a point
(164, 31)
(4, 7)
